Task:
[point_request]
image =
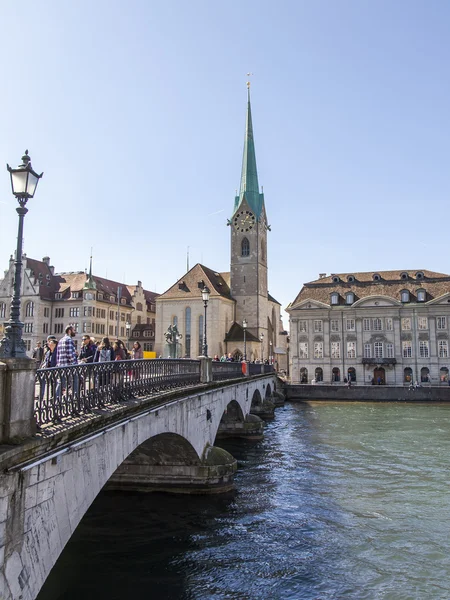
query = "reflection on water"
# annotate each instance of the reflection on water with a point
(339, 501)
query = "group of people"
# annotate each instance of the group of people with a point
(230, 358)
(63, 353)
(225, 358)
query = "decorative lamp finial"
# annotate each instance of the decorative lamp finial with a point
(248, 82)
(25, 159)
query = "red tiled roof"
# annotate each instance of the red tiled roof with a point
(48, 283)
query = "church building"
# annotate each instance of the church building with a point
(238, 298)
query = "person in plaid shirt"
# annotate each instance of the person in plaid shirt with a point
(65, 352)
(65, 356)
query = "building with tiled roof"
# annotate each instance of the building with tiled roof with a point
(383, 327)
(94, 305)
(238, 295)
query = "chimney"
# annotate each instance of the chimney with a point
(322, 275)
(46, 260)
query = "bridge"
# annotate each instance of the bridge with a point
(139, 425)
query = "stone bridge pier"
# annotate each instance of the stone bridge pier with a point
(47, 487)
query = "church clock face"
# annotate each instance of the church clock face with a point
(244, 220)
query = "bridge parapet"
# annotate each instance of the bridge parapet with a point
(79, 389)
(64, 392)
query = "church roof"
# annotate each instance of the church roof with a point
(272, 299)
(236, 334)
(375, 283)
(249, 189)
(192, 283)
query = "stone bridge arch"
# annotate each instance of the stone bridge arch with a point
(42, 502)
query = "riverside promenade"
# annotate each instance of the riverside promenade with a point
(367, 393)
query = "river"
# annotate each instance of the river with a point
(339, 501)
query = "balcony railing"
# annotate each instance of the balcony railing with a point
(79, 389)
(379, 361)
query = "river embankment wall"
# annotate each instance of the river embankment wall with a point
(366, 393)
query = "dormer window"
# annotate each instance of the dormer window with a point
(421, 295)
(404, 276)
(334, 298)
(404, 296)
(58, 296)
(351, 278)
(123, 301)
(336, 279)
(376, 277)
(349, 298)
(419, 275)
(74, 294)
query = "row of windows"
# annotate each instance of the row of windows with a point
(375, 324)
(405, 296)
(377, 277)
(335, 350)
(73, 312)
(376, 350)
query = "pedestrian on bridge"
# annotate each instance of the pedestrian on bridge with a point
(66, 356)
(38, 354)
(104, 353)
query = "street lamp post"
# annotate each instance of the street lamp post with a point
(119, 292)
(261, 338)
(128, 330)
(23, 183)
(205, 298)
(244, 327)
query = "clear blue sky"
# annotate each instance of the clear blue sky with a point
(135, 111)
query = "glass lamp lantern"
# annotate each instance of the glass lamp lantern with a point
(23, 179)
(205, 294)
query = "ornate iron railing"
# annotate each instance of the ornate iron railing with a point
(258, 368)
(79, 389)
(226, 370)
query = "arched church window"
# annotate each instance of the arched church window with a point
(263, 250)
(245, 247)
(2, 310)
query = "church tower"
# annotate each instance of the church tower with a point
(248, 268)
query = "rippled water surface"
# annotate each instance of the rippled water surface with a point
(338, 501)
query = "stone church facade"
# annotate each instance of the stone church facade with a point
(242, 293)
(390, 327)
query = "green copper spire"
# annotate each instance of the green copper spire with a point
(249, 176)
(90, 283)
